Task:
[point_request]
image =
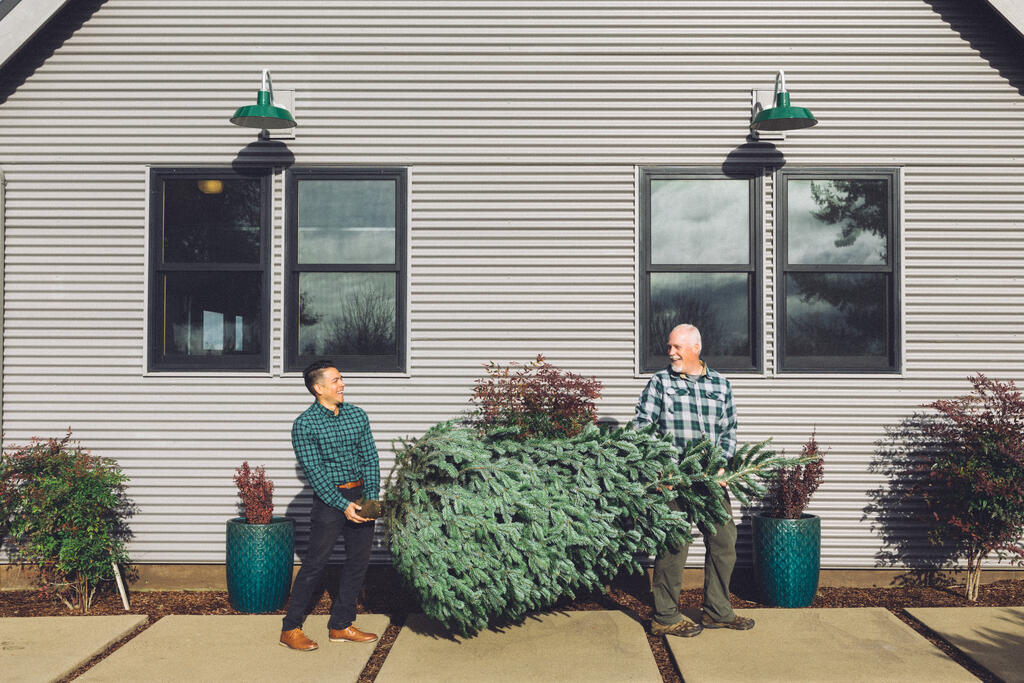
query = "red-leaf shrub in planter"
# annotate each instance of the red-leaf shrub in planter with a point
(256, 492)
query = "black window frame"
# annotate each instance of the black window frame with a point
(892, 267)
(348, 363)
(648, 362)
(157, 360)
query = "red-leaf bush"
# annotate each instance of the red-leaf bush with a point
(535, 399)
(256, 492)
(974, 488)
(790, 491)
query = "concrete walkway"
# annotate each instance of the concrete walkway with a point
(235, 648)
(868, 644)
(46, 648)
(835, 645)
(991, 636)
(561, 646)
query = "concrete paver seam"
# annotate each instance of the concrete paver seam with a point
(112, 648)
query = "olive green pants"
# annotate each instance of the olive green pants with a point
(719, 560)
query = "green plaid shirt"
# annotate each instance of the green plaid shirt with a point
(335, 450)
(689, 409)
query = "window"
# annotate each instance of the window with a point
(346, 268)
(700, 249)
(838, 289)
(208, 270)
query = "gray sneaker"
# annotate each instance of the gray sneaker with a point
(683, 628)
(738, 623)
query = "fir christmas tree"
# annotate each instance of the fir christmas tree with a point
(530, 504)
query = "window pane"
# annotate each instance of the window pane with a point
(212, 314)
(833, 315)
(211, 220)
(347, 314)
(700, 221)
(717, 303)
(838, 221)
(346, 221)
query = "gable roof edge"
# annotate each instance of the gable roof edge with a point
(1012, 11)
(22, 22)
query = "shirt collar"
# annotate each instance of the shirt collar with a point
(703, 371)
(325, 410)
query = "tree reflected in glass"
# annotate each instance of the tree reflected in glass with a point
(347, 314)
(717, 303)
(836, 314)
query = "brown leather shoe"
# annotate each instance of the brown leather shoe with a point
(350, 635)
(297, 640)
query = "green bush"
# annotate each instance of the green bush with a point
(64, 512)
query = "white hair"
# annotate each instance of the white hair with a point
(691, 332)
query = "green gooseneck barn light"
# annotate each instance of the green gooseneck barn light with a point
(782, 116)
(264, 114)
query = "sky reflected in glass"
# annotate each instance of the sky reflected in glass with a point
(700, 221)
(857, 236)
(346, 221)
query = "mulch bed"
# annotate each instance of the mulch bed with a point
(383, 594)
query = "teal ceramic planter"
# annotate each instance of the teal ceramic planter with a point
(259, 564)
(787, 559)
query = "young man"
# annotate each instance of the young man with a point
(334, 447)
(691, 401)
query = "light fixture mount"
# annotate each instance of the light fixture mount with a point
(264, 115)
(783, 116)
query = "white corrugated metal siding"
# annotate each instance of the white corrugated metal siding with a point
(522, 124)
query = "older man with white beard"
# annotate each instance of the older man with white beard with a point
(690, 401)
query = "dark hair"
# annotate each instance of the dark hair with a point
(311, 375)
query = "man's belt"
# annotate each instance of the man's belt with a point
(351, 484)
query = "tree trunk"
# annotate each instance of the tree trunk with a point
(83, 593)
(973, 575)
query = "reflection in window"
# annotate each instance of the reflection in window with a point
(717, 303)
(699, 246)
(838, 284)
(346, 268)
(838, 221)
(700, 221)
(838, 315)
(346, 221)
(346, 314)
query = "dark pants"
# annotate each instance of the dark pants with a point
(719, 560)
(326, 524)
